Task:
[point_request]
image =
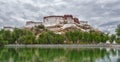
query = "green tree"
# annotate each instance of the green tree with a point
(118, 40)
(112, 37)
(17, 33)
(59, 39)
(46, 38)
(118, 30)
(26, 39)
(7, 36)
(23, 36)
(2, 41)
(50, 38)
(118, 33)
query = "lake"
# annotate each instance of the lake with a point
(59, 55)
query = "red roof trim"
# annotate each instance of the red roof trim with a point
(52, 16)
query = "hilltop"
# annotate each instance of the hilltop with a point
(65, 29)
(58, 24)
(61, 24)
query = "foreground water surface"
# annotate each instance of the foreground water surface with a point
(59, 55)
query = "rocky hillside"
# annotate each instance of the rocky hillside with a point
(62, 28)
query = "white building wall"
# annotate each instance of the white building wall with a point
(53, 21)
(60, 20)
(70, 20)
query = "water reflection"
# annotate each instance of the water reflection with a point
(59, 55)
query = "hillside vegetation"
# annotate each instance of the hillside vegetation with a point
(40, 35)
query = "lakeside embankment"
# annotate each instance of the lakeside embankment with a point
(62, 45)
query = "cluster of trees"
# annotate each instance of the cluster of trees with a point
(22, 36)
(50, 38)
(86, 37)
(16, 36)
(118, 34)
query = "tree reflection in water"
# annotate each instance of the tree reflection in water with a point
(58, 55)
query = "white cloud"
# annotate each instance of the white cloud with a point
(106, 1)
(99, 13)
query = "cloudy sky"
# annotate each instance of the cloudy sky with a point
(101, 14)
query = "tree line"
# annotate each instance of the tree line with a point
(23, 36)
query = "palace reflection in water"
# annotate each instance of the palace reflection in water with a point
(59, 55)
